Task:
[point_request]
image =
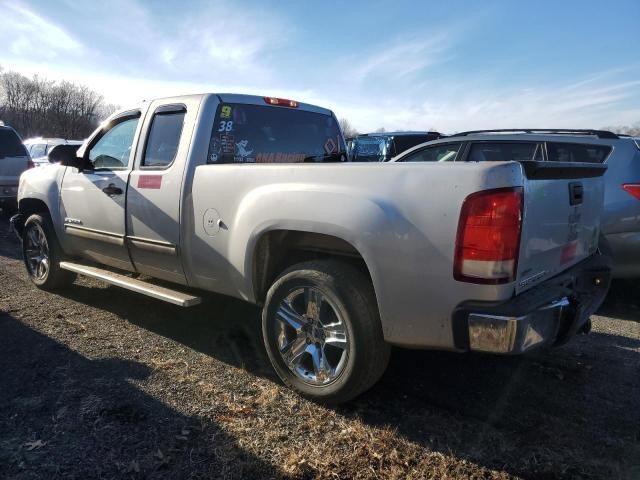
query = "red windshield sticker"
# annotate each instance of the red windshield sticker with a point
(150, 181)
(280, 157)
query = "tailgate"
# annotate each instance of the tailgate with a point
(561, 218)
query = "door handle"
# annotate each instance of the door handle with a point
(112, 190)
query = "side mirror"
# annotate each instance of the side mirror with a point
(66, 155)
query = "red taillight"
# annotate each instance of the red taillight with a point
(282, 102)
(633, 189)
(488, 237)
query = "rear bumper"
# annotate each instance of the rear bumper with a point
(548, 314)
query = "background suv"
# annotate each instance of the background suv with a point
(621, 217)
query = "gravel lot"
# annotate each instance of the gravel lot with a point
(98, 382)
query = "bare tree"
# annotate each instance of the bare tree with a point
(36, 106)
(348, 129)
(633, 130)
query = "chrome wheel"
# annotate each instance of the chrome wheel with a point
(36, 251)
(311, 336)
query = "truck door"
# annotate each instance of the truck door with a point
(155, 190)
(93, 201)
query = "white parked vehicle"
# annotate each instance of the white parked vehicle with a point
(249, 197)
(39, 148)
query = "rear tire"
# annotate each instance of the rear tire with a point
(42, 254)
(322, 331)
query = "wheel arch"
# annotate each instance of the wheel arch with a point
(276, 250)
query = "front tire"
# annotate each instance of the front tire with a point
(42, 254)
(322, 331)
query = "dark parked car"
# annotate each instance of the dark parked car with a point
(381, 147)
(14, 159)
(621, 216)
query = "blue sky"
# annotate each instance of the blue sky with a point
(395, 64)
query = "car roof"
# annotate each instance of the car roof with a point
(396, 134)
(524, 137)
(45, 140)
(258, 100)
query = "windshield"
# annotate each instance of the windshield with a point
(370, 149)
(244, 133)
(10, 144)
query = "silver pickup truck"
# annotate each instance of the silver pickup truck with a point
(249, 197)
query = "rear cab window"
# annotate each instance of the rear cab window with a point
(577, 152)
(10, 144)
(248, 133)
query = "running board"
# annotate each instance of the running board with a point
(161, 293)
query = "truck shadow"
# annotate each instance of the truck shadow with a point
(570, 409)
(623, 301)
(64, 415)
(9, 244)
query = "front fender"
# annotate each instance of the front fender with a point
(43, 184)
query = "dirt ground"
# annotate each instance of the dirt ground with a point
(98, 382)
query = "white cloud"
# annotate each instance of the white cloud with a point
(584, 105)
(401, 58)
(25, 33)
(398, 84)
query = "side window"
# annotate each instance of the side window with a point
(503, 152)
(38, 150)
(113, 149)
(163, 139)
(576, 152)
(438, 153)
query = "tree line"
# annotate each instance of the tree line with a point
(40, 107)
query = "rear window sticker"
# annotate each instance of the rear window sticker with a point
(228, 144)
(280, 157)
(242, 154)
(330, 146)
(226, 126)
(214, 150)
(225, 111)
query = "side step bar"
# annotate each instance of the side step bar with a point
(161, 293)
